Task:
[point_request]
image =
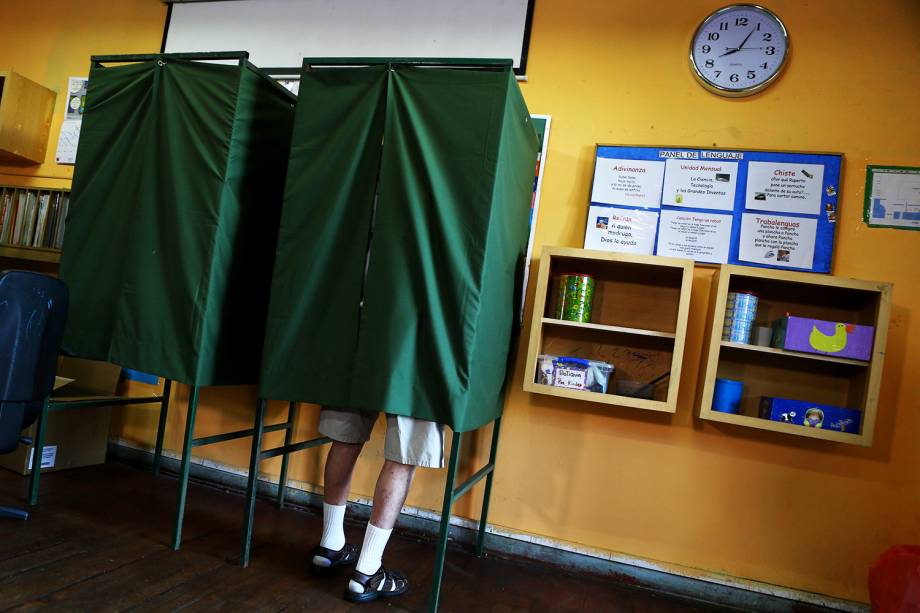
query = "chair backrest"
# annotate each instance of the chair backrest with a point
(33, 310)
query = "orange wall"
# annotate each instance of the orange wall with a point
(806, 514)
(52, 40)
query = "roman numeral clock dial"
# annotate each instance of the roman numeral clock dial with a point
(739, 50)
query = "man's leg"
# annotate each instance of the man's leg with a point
(410, 443)
(340, 465)
(349, 430)
(389, 497)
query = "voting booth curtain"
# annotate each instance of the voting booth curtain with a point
(174, 214)
(403, 232)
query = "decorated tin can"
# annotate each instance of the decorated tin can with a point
(740, 311)
(574, 297)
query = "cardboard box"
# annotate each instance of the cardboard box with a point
(841, 340)
(73, 437)
(810, 414)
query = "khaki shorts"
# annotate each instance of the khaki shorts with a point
(411, 441)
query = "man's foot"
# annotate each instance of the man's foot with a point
(385, 583)
(327, 561)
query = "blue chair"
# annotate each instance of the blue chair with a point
(33, 309)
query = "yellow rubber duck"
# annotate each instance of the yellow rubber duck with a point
(830, 344)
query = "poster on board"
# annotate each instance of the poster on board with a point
(696, 235)
(773, 239)
(622, 230)
(627, 182)
(758, 208)
(784, 188)
(700, 185)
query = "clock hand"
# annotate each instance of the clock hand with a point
(741, 46)
(730, 51)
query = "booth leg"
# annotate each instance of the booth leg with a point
(186, 466)
(444, 532)
(37, 451)
(161, 427)
(257, 432)
(288, 436)
(484, 516)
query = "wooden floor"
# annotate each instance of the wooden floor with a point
(98, 541)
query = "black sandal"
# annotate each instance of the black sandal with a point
(346, 556)
(386, 583)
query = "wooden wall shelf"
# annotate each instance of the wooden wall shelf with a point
(767, 371)
(32, 222)
(639, 323)
(36, 254)
(574, 324)
(25, 119)
(794, 354)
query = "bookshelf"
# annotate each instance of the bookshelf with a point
(639, 323)
(32, 222)
(808, 377)
(25, 119)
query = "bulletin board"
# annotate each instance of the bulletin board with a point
(768, 209)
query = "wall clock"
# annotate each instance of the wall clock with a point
(739, 50)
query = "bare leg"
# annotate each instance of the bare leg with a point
(390, 495)
(339, 467)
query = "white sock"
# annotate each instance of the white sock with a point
(370, 560)
(333, 530)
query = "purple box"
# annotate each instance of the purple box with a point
(810, 414)
(841, 340)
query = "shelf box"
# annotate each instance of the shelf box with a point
(25, 119)
(639, 322)
(813, 378)
(837, 339)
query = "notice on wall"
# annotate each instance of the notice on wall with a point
(893, 197)
(784, 188)
(774, 239)
(628, 182)
(700, 184)
(623, 230)
(704, 237)
(73, 120)
(49, 456)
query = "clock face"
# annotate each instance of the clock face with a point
(739, 50)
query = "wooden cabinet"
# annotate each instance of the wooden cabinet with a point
(778, 373)
(638, 325)
(25, 119)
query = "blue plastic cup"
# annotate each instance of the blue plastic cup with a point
(727, 396)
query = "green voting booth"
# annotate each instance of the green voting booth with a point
(405, 221)
(401, 246)
(173, 221)
(174, 215)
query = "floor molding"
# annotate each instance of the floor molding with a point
(688, 583)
